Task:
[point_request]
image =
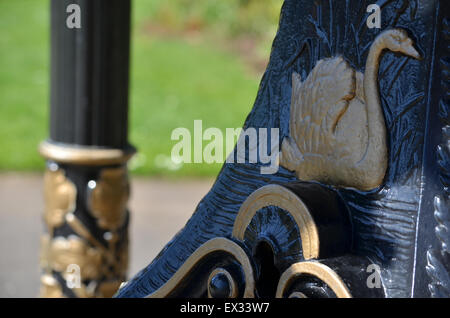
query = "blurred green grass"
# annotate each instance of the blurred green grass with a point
(173, 82)
(24, 38)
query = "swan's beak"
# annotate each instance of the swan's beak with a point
(411, 51)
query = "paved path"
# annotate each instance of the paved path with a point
(160, 208)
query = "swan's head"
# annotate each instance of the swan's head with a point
(397, 40)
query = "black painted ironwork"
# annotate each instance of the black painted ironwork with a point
(86, 181)
(390, 227)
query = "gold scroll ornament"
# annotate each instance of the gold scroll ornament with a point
(269, 195)
(103, 266)
(60, 197)
(108, 198)
(315, 269)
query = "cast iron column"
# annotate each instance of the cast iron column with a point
(85, 248)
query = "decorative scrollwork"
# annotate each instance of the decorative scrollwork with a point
(97, 245)
(60, 252)
(344, 276)
(438, 267)
(108, 198)
(50, 287)
(317, 270)
(289, 233)
(275, 195)
(188, 280)
(221, 284)
(290, 223)
(59, 194)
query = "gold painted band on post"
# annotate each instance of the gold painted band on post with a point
(213, 245)
(316, 269)
(84, 155)
(276, 195)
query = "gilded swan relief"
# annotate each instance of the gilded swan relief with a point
(337, 128)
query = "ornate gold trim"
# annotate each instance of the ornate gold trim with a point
(101, 268)
(108, 197)
(83, 232)
(104, 267)
(60, 252)
(319, 270)
(213, 245)
(50, 287)
(83, 155)
(233, 286)
(60, 197)
(275, 195)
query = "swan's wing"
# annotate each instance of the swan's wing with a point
(318, 103)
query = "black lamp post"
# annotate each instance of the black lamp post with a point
(85, 251)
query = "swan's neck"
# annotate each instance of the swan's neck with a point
(374, 161)
(371, 91)
(375, 117)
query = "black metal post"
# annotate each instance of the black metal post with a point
(85, 251)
